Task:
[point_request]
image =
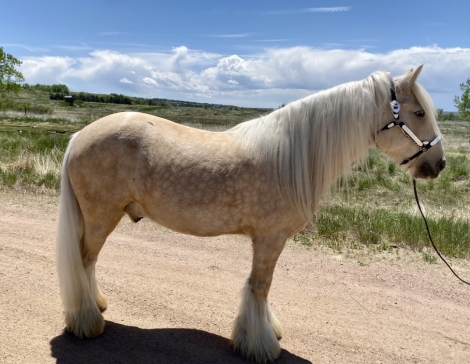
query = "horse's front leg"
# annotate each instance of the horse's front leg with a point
(256, 330)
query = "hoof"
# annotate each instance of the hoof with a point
(259, 347)
(85, 323)
(275, 324)
(102, 302)
(258, 352)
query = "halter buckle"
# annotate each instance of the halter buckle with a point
(395, 105)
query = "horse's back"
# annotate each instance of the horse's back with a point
(131, 140)
(134, 127)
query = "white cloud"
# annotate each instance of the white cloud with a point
(104, 62)
(150, 81)
(46, 69)
(310, 10)
(73, 48)
(277, 75)
(271, 40)
(229, 35)
(336, 45)
(112, 33)
(329, 10)
(125, 80)
(24, 46)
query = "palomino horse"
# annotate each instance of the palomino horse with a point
(264, 178)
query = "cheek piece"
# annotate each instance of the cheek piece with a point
(423, 146)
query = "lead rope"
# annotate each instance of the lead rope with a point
(429, 234)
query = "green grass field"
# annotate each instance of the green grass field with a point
(86, 112)
(372, 208)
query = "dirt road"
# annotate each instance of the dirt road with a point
(172, 299)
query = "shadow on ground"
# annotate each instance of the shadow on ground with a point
(128, 344)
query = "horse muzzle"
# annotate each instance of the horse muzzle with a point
(428, 170)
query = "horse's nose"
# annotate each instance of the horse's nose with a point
(441, 164)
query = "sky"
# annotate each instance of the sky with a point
(254, 53)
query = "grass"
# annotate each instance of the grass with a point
(87, 112)
(455, 340)
(431, 259)
(31, 158)
(381, 227)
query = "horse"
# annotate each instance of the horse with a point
(263, 178)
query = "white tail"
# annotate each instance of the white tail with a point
(82, 316)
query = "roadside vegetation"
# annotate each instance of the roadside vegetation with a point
(373, 209)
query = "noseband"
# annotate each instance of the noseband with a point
(423, 146)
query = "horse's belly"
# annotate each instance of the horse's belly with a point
(196, 220)
(211, 205)
(208, 196)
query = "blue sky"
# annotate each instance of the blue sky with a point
(247, 53)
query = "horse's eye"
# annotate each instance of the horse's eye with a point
(419, 114)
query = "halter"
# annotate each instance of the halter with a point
(423, 146)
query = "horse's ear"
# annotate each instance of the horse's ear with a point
(408, 79)
(415, 74)
(408, 73)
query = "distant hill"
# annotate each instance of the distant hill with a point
(59, 91)
(34, 100)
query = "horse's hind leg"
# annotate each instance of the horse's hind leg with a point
(256, 330)
(99, 297)
(82, 313)
(94, 238)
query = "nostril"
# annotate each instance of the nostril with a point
(442, 165)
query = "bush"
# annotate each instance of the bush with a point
(9, 104)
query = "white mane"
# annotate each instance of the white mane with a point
(312, 141)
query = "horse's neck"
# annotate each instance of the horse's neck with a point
(342, 128)
(309, 143)
(337, 148)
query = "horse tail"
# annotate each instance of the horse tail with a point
(74, 286)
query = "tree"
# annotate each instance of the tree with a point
(10, 78)
(463, 103)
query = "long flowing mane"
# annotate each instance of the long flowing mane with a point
(312, 141)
